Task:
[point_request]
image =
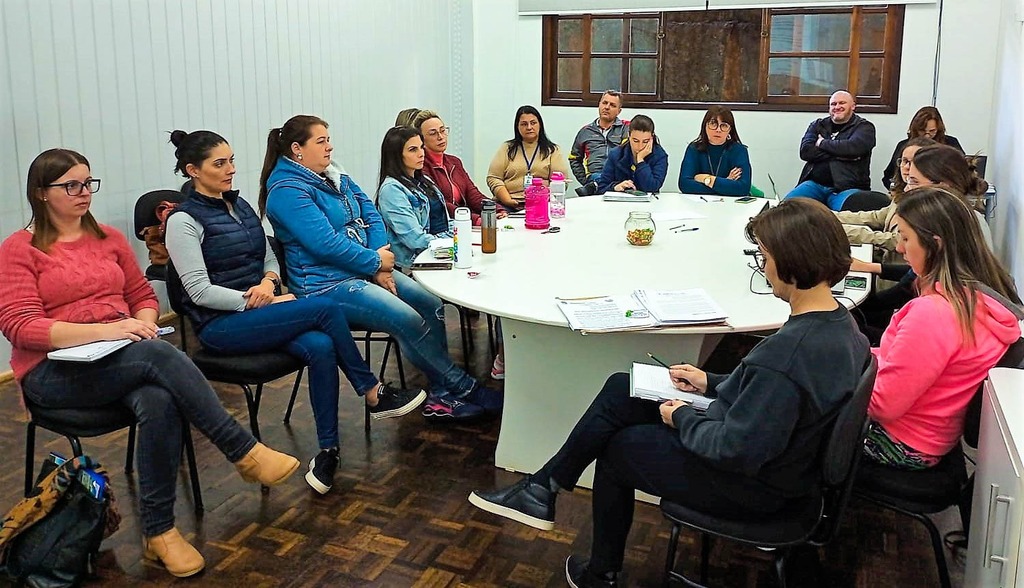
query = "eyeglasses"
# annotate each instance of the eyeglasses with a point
(904, 161)
(74, 187)
(759, 260)
(438, 132)
(715, 125)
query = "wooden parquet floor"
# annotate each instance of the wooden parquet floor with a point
(398, 514)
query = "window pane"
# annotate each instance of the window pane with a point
(643, 76)
(605, 73)
(570, 74)
(711, 56)
(570, 36)
(810, 32)
(870, 77)
(872, 32)
(643, 35)
(807, 76)
(606, 35)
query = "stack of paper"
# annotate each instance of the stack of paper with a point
(652, 382)
(625, 197)
(643, 309)
(89, 352)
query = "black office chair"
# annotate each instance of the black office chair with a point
(244, 371)
(808, 522)
(73, 423)
(917, 494)
(367, 336)
(145, 216)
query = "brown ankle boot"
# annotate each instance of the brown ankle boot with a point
(177, 555)
(266, 466)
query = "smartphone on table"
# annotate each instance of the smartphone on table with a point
(746, 199)
(856, 282)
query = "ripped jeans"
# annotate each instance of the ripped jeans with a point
(415, 318)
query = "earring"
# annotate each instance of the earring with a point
(299, 156)
(45, 199)
(729, 136)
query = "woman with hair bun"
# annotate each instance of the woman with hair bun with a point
(232, 294)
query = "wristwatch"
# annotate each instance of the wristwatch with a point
(276, 282)
(707, 181)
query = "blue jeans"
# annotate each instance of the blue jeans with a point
(160, 385)
(313, 330)
(415, 318)
(827, 196)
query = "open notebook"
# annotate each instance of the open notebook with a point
(652, 382)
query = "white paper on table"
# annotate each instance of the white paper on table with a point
(676, 215)
(691, 306)
(605, 313)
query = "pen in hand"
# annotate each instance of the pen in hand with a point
(664, 365)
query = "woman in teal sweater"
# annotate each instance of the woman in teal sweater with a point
(716, 162)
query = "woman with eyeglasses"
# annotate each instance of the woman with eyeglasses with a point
(756, 450)
(232, 295)
(446, 170)
(529, 153)
(941, 344)
(716, 162)
(336, 246)
(67, 280)
(410, 204)
(641, 164)
(927, 122)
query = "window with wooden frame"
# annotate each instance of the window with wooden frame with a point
(770, 59)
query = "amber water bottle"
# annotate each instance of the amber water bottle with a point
(489, 227)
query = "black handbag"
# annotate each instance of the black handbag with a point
(51, 539)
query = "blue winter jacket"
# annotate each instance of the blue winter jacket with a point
(726, 158)
(406, 215)
(648, 176)
(330, 233)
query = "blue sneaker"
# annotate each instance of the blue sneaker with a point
(448, 408)
(487, 398)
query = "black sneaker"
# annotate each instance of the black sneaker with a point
(321, 470)
(527, 502)
(578, 575)
(396, 402)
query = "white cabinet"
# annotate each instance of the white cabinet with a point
(993, 558)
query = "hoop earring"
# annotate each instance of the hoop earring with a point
(729, 137)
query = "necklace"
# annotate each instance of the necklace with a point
(715, 168)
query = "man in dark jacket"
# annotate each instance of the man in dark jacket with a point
(837, 150)
(592, 143)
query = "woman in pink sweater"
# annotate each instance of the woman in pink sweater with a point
(940, 346)
(67, 280)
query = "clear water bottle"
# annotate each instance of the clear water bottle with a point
(537, 196)
(556, 206)
(489, 227)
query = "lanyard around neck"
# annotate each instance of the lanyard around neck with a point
(529, 160)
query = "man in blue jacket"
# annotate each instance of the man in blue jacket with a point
(837, 150)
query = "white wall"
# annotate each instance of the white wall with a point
(110, 78)
(1007, 145)
(508, 74)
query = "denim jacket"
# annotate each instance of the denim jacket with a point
(330, 233)
(406, 216)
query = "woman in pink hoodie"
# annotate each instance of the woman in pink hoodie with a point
(940, 346)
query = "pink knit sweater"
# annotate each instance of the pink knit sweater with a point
(927, 372)
(85, 281)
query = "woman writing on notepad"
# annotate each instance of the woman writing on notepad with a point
(755, 449)
(67, 280)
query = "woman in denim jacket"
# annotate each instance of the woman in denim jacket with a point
(413, 209)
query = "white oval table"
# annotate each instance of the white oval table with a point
(553, 373)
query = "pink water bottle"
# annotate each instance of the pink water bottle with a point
(537, 196)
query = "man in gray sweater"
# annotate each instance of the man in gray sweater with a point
(592, 143)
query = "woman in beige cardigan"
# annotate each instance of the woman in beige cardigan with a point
(528, 152)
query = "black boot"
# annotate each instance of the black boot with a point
(578, 575)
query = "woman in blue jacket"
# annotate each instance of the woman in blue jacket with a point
(413, 209)
(336, 245)
(641, 164)
(716, 162)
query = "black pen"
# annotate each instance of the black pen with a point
(684, 380)
(674, 228)
(655, 196)
(678, 230)
(704, 199)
